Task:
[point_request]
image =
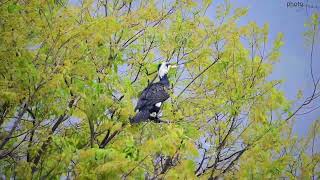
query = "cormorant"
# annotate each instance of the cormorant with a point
(152, 97)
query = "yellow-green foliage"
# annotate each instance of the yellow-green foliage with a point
(70, 74)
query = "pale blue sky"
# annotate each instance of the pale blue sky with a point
(294, 63)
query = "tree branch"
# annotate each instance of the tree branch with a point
(214, 62)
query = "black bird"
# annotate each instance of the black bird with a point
(152, 97)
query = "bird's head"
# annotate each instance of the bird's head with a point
(164, 68)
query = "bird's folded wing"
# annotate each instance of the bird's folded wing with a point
(151, 95)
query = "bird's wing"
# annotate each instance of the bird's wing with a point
(157, 93)
(140, 116)
(142, 100)
(153, 94)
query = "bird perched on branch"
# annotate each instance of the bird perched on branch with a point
(152, 97)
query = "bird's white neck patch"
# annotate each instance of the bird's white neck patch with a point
(163, 70)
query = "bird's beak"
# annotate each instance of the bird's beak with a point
(173, 66)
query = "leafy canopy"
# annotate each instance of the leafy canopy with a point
(71, 71)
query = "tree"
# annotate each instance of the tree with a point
(71, 71)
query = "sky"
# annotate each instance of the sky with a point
(294, 65)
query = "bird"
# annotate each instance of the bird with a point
(153, 96)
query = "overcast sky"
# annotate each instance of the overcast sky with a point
(294, 63)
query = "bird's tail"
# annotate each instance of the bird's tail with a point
(140, 117)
